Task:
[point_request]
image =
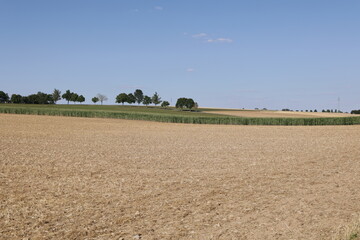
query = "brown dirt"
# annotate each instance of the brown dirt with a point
(77, 178)
(280, 114)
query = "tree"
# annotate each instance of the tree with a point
(147, 100)
(180, 103)
(156, 99)
(185, 102)
(67, 96)
(4, 97)
(165, 104)
(189, 103)
(39, 98)
(139, 96)
(44, 98)
(25, 99)
(121, 98)
(81, 99)
(33, 99)
(56, 95)
(95, 100)
(131, 98)
(16, 98)
(74, 97)
(101, 98)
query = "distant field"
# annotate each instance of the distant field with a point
(107, 108)
(278, 114)
(90, 178)
(173, 115)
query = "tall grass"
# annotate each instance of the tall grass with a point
(172, 118)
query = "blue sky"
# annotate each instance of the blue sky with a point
(298, 54)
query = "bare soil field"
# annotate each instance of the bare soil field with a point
(280, 114)
(85, 178)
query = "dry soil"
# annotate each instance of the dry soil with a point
(77, 178)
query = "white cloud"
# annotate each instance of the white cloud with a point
(159, 8)
(207, 38)
(200, 35)
(190, 70)
(220, 40)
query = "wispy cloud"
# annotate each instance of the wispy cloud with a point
(220, 40)
(159, 8)
(190, 70)
(205, 37)
(200, 35)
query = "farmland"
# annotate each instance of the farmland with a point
(173, 115)
(92, 178)
(278, 114)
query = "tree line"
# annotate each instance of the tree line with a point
(41, 98)
(130, 98)
(139, 98)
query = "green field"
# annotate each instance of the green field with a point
(164, 115)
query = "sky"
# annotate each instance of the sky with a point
(297, 54)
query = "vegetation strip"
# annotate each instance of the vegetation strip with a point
(176, 118)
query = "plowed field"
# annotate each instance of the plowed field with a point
(77, 178)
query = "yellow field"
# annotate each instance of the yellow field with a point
(280, 114)
(82, 178)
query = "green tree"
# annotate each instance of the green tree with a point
(147, 100)
(180, 103)
(121, 98)
(81, 99)
(131, 98)
(4, 97)
(74, 97)
(189, 103)
(156, 99)
(95, 100)
(16, 98)
(56, 95)
(67, 96)
(33, 99)
(44, 98)
(101, 98)
(139, 95)
(39, 98)
(185, 102)
(165, 104)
